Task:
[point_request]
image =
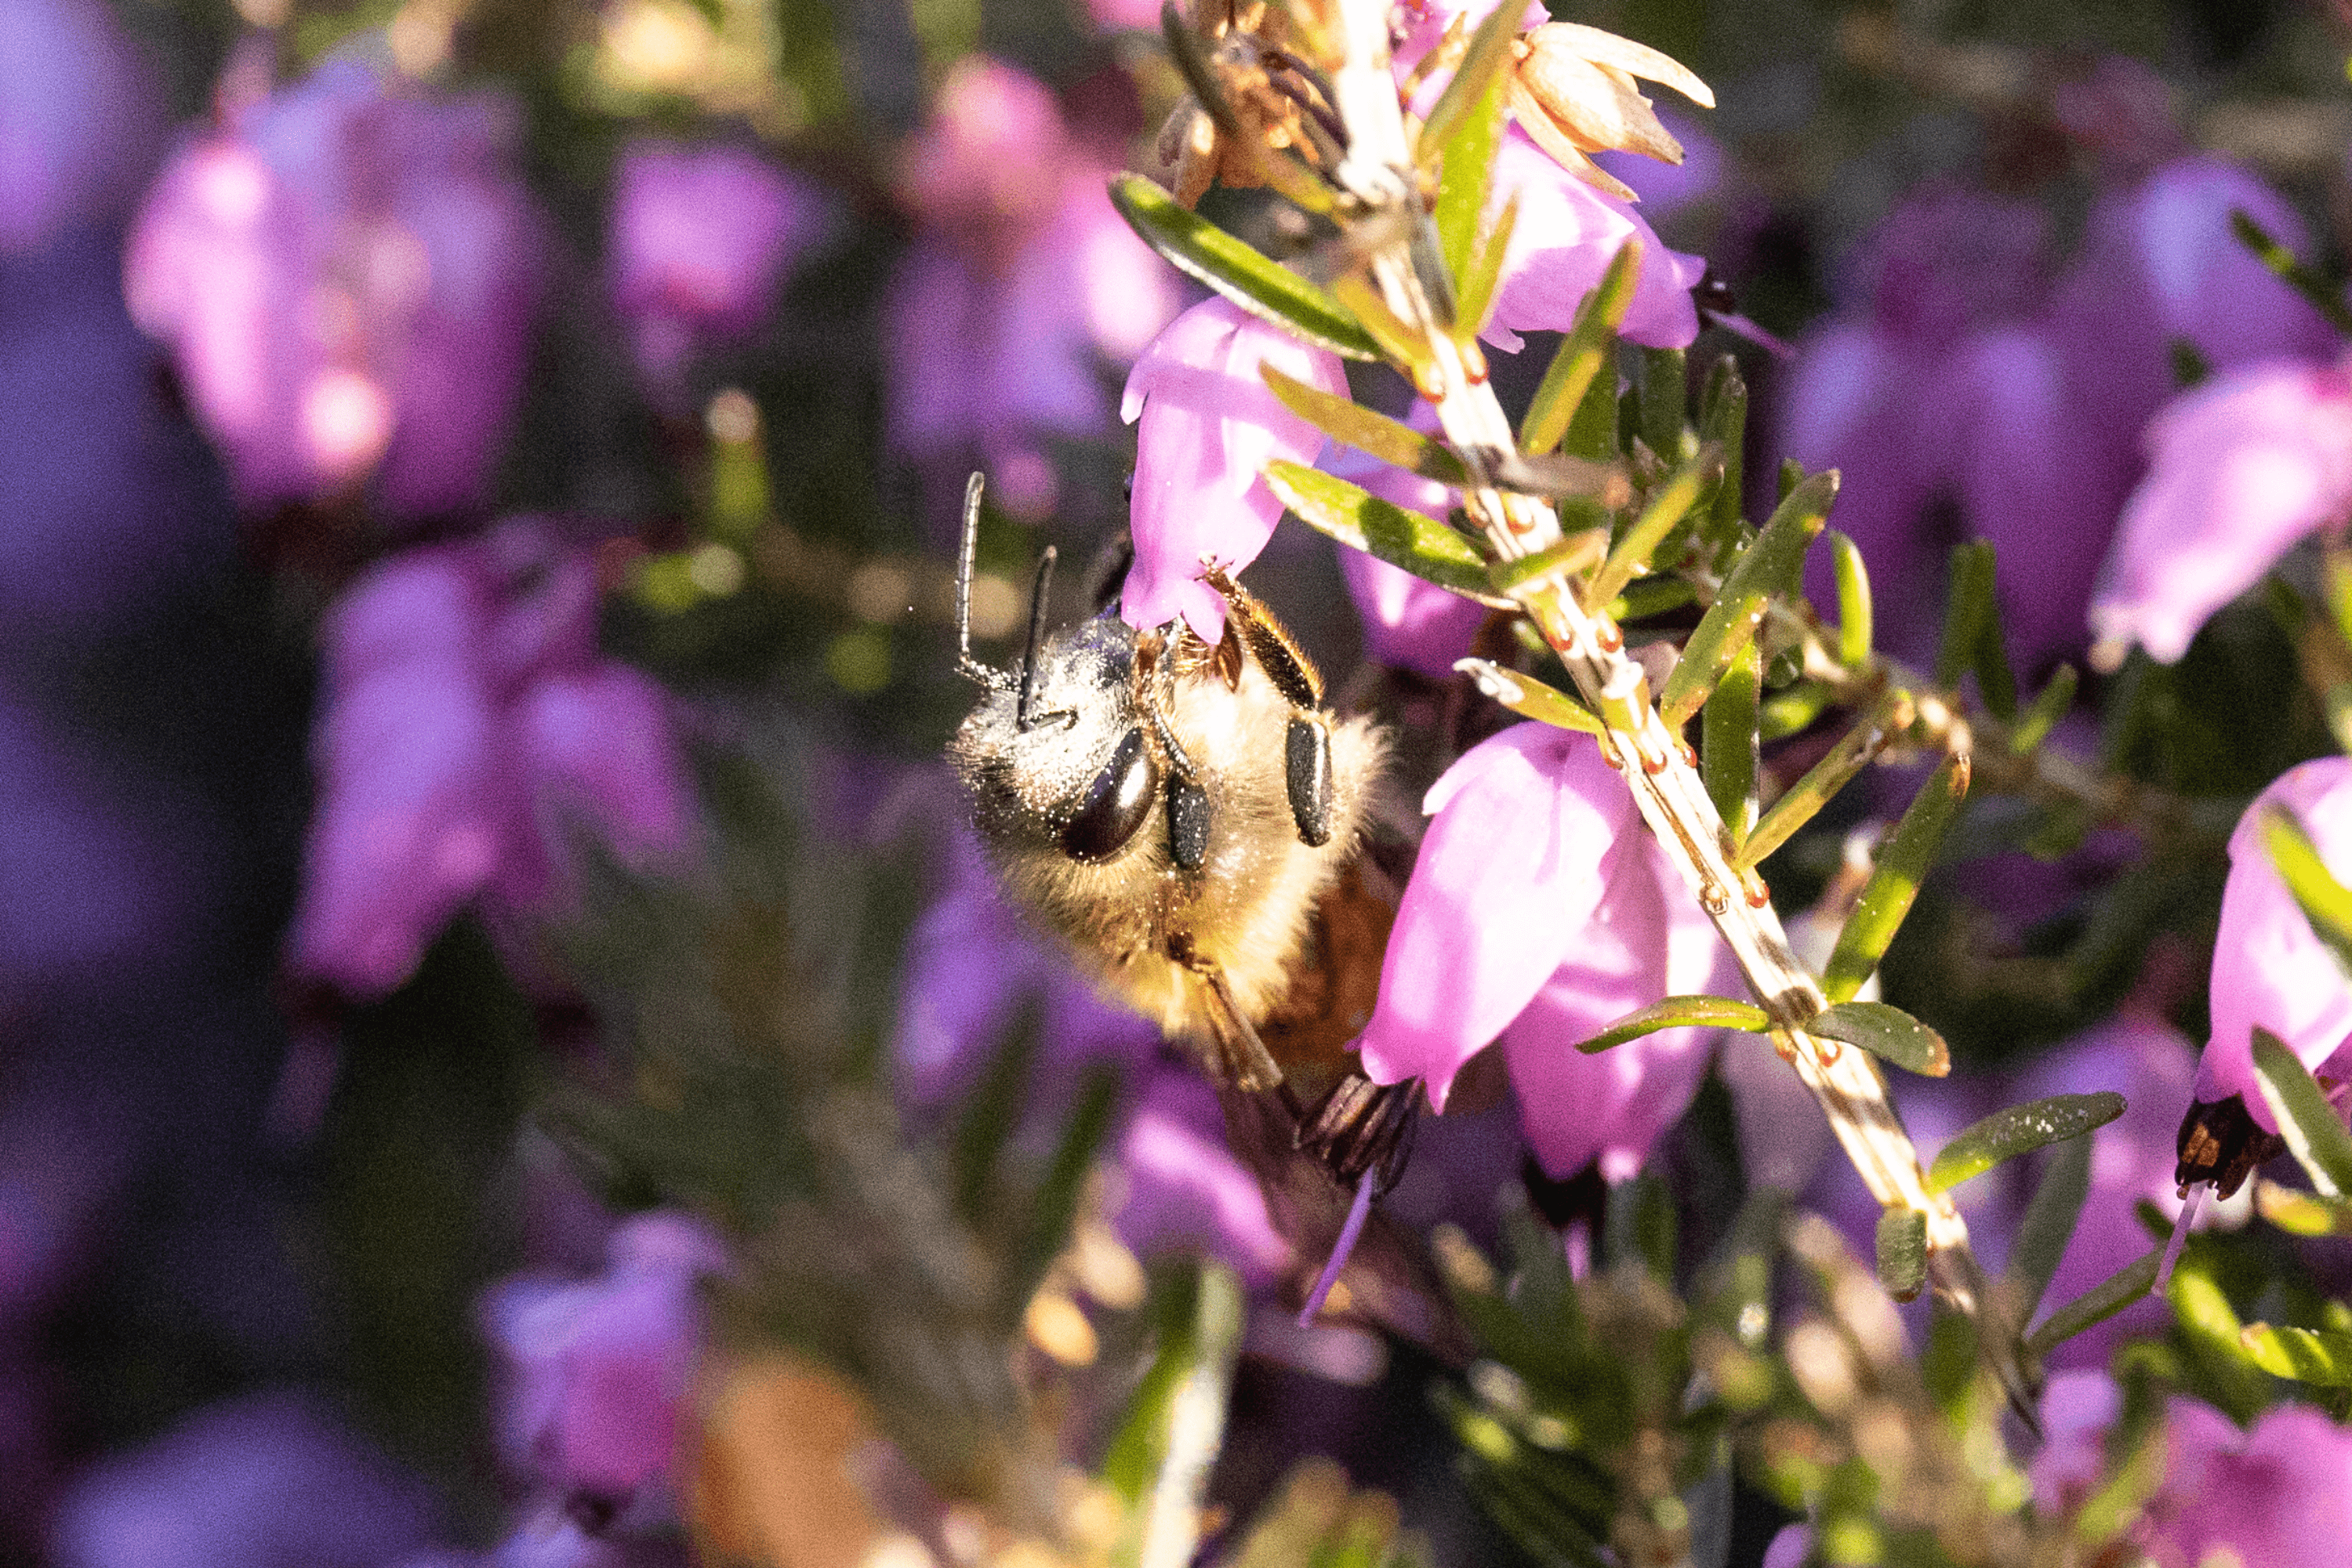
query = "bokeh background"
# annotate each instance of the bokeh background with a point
(541, 424)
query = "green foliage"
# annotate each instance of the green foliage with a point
(1887, 1033)
(1200, 249)
(2019, 1130)
(1361, 520)
(1903, 862)
(2314, 1131)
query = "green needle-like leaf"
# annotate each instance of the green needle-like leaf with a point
(1344, 419)
(1404, 539)
(1480, 74)
(2126, 1285)
(2034, 727)
(1194, 246)
(1530, 698)
(1805, 798)
(1768, 566)
(1668, 506)
(2304, 1355)
(2315, 1134)
(2019, 1130)
(2303, 280)
(1887, 1033)
(1727, 748)
(1723, 420)
(1158, 1459)
(1902, 1252)
(1680, 1011)
(2326, 901)
(1468, 156)
(2049, 1223)
(1579, 551)
(1904, 860)
(2299, 1213)
(1477, 291)
(1972, 634)
(1589, 348)
(1854, 629)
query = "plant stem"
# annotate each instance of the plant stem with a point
(1661, 769)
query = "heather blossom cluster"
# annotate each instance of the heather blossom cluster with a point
(425, 943)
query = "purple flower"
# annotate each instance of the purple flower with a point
(465, 701)
(1407, 621)
(345, 275)
(1182, 1189)
(1566, 235)
(1023, 288)
(2241, 468)
(270, 1480)
(2139, 1055)
(2271, 970)
(2279, 1493)
(1209, 425)
(1539, 910)
(1667, 191)
(700, 239)
(597, 1370)
(971, 964)
(2077, 1409)
(78, 122)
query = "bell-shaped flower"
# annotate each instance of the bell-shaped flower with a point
(1566, 235)
(346, 275)
(700, 239)
(467, 718)
(2241, 467)
(77, 120)
(1024, 290)
(1408, 621)
(596, 1372)
(2271, 970)
(1207, 426)
(1539, 910)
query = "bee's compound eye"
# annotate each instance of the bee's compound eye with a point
(1116, 803)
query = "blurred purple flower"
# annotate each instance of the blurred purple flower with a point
(597, 1370)
(1789, 1547)
(1540, 909)
(2240, 469)
(1181, 1188)
(971, 964)
(463, 701)
(1024, 291)
(1407, 621)
(2271, 970)
(1669, 190)
(346, 275)
(2077, 1409)
(700, 239)
(2281, 1493)
(78, 127)
(270, 1480)
(1208, 425)
(1566, 236)
(2145, 1060)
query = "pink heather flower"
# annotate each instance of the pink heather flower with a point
(2242, 468)
(78, 122)
(466, 717)
(1209, 426)
(1124, 15)
(2281, 1493)
(1789, 1547)
(700, 239)
(1407, 621)
(1181, 1188)
(2271, 970)
(1566, 235)
(596, 1370)
(1539, 911)
(2077, 1409)
(1024, 293)
(1669, 190)
(2145, 1060)
(345, 275)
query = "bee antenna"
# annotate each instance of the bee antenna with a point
(995, 679)
(1022, 717)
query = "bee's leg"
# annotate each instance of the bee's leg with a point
(1306, 747)
(1188, 803)
(1240, 1058)
(1364, 1126)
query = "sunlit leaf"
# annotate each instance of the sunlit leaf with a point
(1194, 246)
(1887, 1033)
(2299, 1213)
(1680, 1011)
(1904, 860)
(1530, 698)
(2315, 1133)
(1404, 539)
(2304, 1355)
(1902, 1252)
(1669, 504)
(1366, 429)
(2326, 901)
(1854, 624)
(2021, 1130)
(2126, 1285)
(1728, 744)
(1768, 566)
(1589, 348)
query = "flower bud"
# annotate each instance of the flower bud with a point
(1574, 92)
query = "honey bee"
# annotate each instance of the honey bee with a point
(1184, 820)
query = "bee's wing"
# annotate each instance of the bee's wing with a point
(1388, 1279)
